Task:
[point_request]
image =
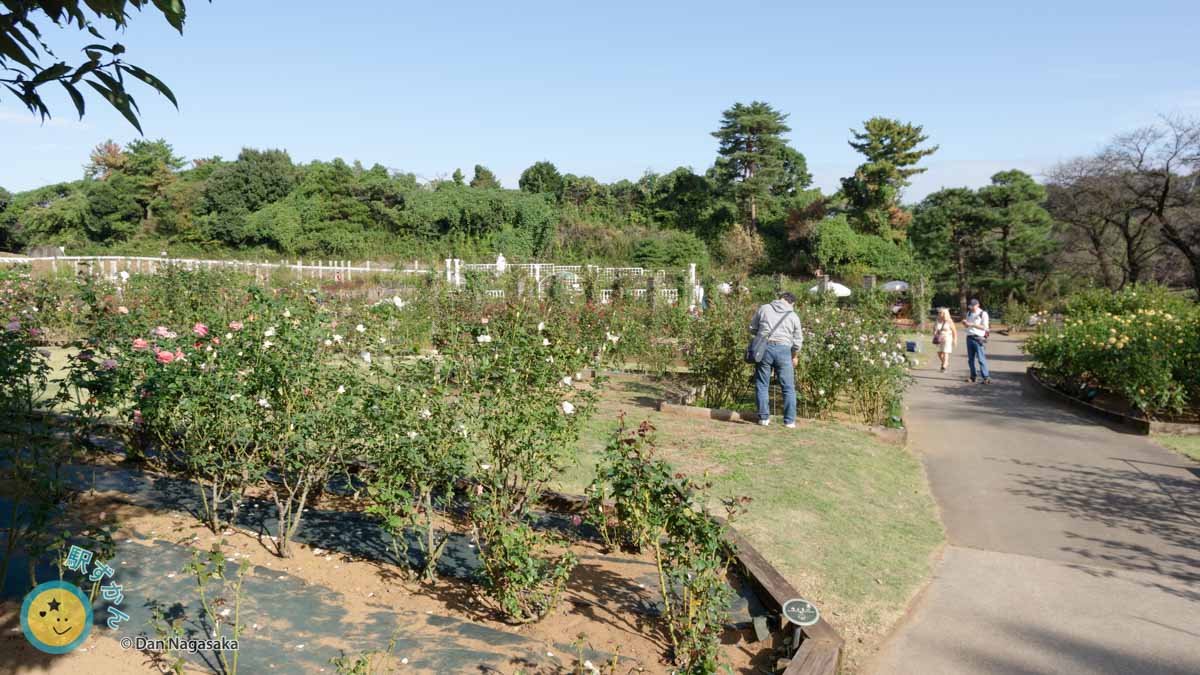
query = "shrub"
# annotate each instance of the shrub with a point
(1128, 300)
(666, 513)
(420, 447)
(714, 352)
(1148, 356)
(852, 358)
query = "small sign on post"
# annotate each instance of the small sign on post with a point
(800, 612)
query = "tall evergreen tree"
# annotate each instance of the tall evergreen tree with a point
(873, 192)
(1021, 227)
(947, 229)
(755, 162)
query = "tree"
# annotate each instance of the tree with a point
(1020, 226)
(458, 177)
(484, 178)
(1159, 170)
(947, 225)
(541, 178)
(874, 191)
(27, 63)
(106, 158)
(255, 179)
(152, 166)
(114, 213)
(754, 160)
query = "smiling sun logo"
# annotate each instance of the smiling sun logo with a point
(56, 617)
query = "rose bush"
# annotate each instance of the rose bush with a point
(1146, 354)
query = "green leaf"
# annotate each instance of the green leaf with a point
(173, 11)
(55, 71)
(118, 100)
(151, 80)
(76, 97)
(15, 52)
(84, 70)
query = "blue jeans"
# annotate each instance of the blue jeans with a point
(977, 349)
(779, 359)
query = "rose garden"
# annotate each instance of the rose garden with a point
(438, 477)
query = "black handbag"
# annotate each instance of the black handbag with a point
(758, 345)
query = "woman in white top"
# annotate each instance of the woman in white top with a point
(947, 337)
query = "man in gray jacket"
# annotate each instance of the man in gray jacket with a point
(782, 356)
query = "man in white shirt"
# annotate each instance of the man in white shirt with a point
(977, 325)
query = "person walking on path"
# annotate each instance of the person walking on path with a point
(945, 336)
(978, 327)
(776, 324)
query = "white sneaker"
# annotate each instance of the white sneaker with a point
(790, 425)
(764, 423)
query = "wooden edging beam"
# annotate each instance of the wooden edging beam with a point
(1139, 424)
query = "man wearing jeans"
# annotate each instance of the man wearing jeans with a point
(976, 323)
(782, 355)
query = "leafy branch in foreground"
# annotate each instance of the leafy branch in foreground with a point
(24, 53)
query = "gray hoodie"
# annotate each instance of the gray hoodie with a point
(788, 333)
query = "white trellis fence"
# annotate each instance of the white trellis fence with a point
(119, 268)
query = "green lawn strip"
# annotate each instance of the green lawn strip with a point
(1188, 446)
(848, 519)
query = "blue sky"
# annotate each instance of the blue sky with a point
(613, 89)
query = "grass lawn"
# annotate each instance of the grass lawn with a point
(849, 520)
(1188, 446)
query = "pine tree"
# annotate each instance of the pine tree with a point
(755, 162)
(874, 191)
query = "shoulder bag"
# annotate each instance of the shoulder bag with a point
(758, 345)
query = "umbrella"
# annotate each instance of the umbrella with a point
(896, 286)
(834, 287)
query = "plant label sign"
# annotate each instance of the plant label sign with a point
(801, 612)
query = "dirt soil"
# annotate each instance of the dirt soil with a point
(609, 601)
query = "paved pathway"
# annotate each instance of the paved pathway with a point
(1073, 547)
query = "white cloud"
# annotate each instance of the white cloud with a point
(63, 121)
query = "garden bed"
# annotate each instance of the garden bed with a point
(343, 593)
(1114, 408)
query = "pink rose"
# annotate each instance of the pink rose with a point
(178, 354)
(235, 325)
(161, 331)
(216, 340)
(140, 344)
(122, 310)
(164, 357)
(576, 520)
(200, 330)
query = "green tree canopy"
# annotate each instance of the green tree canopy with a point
(1021, 228)
(541, 178)
(484, 178)
(754, 161)
(873, 192)
(949, 230)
